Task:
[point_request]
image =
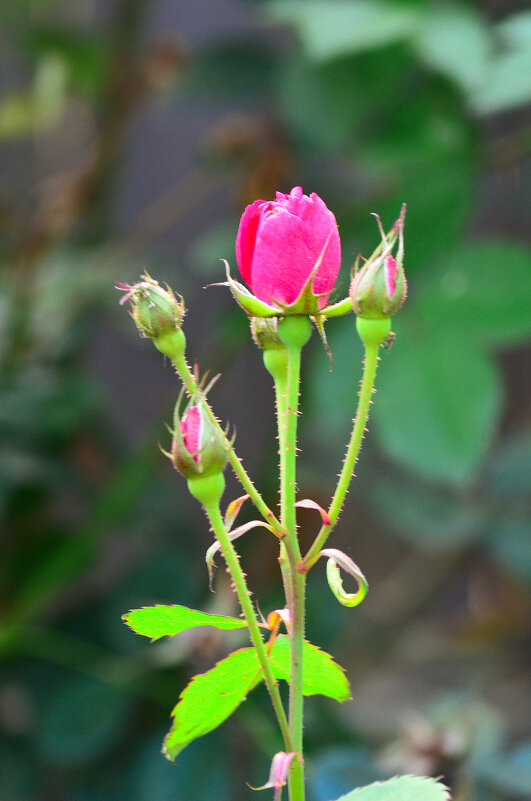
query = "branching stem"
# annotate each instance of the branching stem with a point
(187, 377)
(294, 332)
(233, 563)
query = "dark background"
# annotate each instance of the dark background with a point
(132, 135)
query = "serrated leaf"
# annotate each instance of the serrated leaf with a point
(211, 698)
(321, 675)
(166, 621)
(400, 788)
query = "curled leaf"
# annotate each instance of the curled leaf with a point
(278, 775)
(338, 559)
(233, 510)
(233, 535)
(277, 616)
(307, 503)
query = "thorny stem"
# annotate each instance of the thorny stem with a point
(294, 333)
(354, 446)
(179, 362)
(276, 362)
(231, 558)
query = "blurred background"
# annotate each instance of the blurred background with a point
(132, 135)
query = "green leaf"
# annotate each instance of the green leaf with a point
(321, 675)
(211, 698)
(400, 788)
(165, 621)
(506, 84)
(317, 98)
(456, 41)
(486, 287)
(516, 29)
(438, 401)
(329, 28)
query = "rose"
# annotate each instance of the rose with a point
(281, 242)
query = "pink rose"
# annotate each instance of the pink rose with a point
(280, 242)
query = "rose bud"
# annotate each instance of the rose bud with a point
(264, 332)
(289, 254)
(379, 288)
(198, 449)
(157, 313)
(155, 310)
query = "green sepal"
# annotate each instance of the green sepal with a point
(337, 309)
(249, 302)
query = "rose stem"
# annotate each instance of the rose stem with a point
(178, 359)
(231, 558)
(294, 332)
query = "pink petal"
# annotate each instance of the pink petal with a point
(319, 229)
(391, 271)
(282, 261)
(246, 237)
(191, 429)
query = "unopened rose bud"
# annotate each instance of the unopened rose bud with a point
(288, 253)
(379, 288)
(198, 449)
(155, 309)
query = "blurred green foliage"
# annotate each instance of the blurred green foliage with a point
(370, 104)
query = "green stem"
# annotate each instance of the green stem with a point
(276, 362)
(372, 344)
(294, 332)
(231, 558)
(174, 348)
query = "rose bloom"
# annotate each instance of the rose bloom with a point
(279, 243)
